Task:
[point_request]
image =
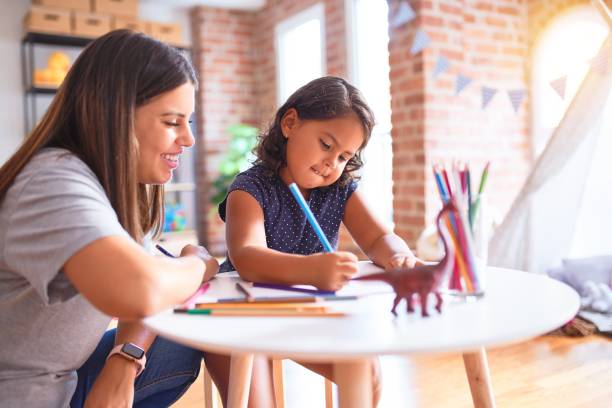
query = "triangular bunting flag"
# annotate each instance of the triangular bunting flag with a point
(404, 14)
(516, 98)
(487, 96)
(442, 65)
(462, 82)
(559, 86)
(600, 62)
(421, 41)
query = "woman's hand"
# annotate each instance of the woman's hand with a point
(332, 270)
(212, 265)
(401, 260)
(114, 386)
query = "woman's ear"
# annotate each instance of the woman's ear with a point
(289, 122)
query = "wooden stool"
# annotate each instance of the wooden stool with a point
(212, 398)
(279, 387)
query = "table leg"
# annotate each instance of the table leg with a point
(208, 389)
(477, 370)
(241, 367)
(279, 385)
(354, 380)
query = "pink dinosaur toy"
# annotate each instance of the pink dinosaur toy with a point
(422, 279)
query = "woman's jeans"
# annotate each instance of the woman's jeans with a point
(171, 369)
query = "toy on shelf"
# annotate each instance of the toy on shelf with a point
(54, 73)
(174, 219)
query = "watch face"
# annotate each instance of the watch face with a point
(133, 351)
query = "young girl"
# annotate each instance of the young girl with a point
(316, 141)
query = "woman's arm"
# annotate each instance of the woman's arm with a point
(121, 279)
(254, 261)
(380, 244)
(114, 386)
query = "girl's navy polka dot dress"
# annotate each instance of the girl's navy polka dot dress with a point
(287, 229)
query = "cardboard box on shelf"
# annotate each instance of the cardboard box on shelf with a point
(47, 20)
(167, 32)
(116, 7)
(129, 23)
(80, 5)
(90, 24)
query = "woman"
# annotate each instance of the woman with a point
(76, 202)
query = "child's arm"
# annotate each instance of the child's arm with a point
(254, 261)
(380, 244)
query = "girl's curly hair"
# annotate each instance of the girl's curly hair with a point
(324, 98)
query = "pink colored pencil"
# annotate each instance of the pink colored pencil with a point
(466, 249)
(191, 302)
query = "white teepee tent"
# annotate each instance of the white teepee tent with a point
(552, 217)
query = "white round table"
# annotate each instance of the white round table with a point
(517, 306)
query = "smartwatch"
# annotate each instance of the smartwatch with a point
(132, 352)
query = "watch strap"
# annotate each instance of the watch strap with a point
(140, 362)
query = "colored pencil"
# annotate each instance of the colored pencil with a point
(483, 178)
(260, 313)
(465, 240)
(289, 299)
(247, 294)
(447, 182)
(292, 288)
(440, 184)
(191, 301)
(284, 305)
(469, 192)
(310, 217)
(459, 258)
(164, 251)
(476, 206)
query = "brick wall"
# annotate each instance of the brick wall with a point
(490, 41)
(487, 42)
(265, 68)
(224, 58)
(237, 64)
(408, 133)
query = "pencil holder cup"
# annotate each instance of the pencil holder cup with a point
(470, 242)
(481, 234)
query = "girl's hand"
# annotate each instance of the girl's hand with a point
(212, 265)
(332, 270)
(114, 386)
(404, 259)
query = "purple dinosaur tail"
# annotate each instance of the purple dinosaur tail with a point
(379, 276)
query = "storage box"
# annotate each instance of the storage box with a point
(116, 7)
(47, 20)
(80, 5)
(167, 32)
(90, 24)
(130, 23)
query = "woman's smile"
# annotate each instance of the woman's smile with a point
(172, 160)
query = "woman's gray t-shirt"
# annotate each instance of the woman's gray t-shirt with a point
(55, 207)
(287, 229)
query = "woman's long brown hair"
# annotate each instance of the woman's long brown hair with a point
(92, 116)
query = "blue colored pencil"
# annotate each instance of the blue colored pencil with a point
(440, 184)
(310, 217)
(164, 251)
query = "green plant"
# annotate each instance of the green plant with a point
(238, 157)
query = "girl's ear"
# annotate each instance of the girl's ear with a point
(289, 122)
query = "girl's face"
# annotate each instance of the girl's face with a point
(318, 150)
(163, 132)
